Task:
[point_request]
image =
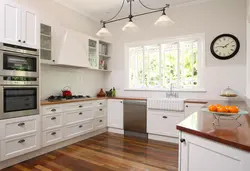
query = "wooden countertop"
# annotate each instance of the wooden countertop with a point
(229, 132)
(198, 101)
(46, 102)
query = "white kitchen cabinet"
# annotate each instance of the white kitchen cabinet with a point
(19, 25)
(115, 114)
(10, 22)
(30, 29)
(160, 122)
(191, 108)
(198, 154)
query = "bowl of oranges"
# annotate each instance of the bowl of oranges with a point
(224, 110)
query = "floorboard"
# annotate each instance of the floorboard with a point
(106, 152)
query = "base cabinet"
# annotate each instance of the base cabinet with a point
(198, 154)
(115, 114)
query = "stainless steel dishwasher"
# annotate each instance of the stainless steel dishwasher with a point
(135, 118)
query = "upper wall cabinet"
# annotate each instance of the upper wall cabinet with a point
(18, 25)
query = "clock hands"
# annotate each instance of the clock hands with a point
(225, 45)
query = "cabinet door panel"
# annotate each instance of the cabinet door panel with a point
(192, 108)
(115, 114)
(30, 29)
(10, 22)
(163, 124)
(198, 154)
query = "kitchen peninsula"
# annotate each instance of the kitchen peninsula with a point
(217, 148)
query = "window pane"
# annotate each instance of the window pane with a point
(136, 67)
(169, 64)
(152, 66)
(188, 63)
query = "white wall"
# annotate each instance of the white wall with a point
(248, 50)
(212, 18)
(53, 78)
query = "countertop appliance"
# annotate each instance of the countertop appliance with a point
(59, 98)
(135, 118)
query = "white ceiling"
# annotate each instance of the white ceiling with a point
(104, 9)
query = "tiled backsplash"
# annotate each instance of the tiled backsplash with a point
(81, 81)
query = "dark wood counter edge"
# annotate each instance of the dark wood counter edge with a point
(213, 138)
(196, 101)
(45, 102)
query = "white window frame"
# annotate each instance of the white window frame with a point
(201, 61)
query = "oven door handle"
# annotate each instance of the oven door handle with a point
(18, 54)
(20, 86)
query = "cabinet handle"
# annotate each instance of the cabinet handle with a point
(80, 126)
(21, 124)
(80, 106)
(100, 103)
(53, 133)
(53, 110)
(100, 109)
(21, 141)
(19, 40)
(80, 113)
(182, 140)
(54, 118)
(100, 121)
(24, 41)
(164, 117)
(120, 101)
(53, 61)
(186, 105)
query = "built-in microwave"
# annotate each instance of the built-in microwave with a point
(18, 101)
(18, 61)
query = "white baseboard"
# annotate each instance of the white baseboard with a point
(48, 149)
(163, 138)
(116, 130)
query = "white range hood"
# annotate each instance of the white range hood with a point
(70, 48)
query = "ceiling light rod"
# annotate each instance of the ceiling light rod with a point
(136, 15)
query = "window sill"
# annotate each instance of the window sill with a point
(165, 90)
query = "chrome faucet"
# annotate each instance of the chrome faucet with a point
(172, 93)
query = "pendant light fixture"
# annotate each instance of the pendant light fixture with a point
(164, 20)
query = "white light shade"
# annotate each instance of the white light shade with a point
(104, 32)
(164, 20)
(130, 26)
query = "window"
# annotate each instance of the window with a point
(157, 65)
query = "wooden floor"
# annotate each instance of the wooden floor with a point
(106, 152)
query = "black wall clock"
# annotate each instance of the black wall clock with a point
(225, 46)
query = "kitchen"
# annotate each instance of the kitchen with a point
(82, 128)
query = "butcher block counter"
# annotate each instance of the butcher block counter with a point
(46, 102)
(229, 132)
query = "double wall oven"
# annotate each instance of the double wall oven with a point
(19, 81)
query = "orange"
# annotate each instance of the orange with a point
(212, 108)
(218, 105)
(228, 108)
(222, 109)
(233, 109)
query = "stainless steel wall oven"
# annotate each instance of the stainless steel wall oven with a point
(19, 81)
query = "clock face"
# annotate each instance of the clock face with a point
(225, 46)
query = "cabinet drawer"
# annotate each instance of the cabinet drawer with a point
(52, 121)
(101, 103)
(100, 122)
(51, 109)
(78, 129)
(79, 116)
(19, 146)
(78, 106)
(52, 136)
(101, 111)
(163, 125)
(21, 127)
